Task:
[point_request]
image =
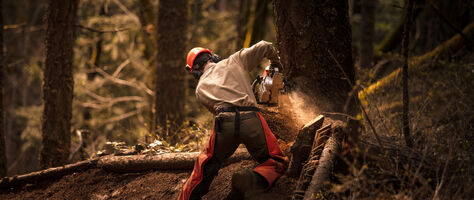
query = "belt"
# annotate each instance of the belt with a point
(236, 110)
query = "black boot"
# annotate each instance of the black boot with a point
(247, 185)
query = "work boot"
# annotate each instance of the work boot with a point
(248, 185)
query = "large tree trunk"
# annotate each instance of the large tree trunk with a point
(169, 76)
(58, 83)
(3, 158)
(308, 32)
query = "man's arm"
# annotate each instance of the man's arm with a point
(252, 56)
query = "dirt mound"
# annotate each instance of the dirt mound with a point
(100, 184)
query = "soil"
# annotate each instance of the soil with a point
(99, 184)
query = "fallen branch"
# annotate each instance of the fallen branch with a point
(101, 31)
(50, 173)
(325, 165)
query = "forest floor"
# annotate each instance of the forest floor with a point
(101, 184)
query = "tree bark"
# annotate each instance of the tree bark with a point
(307, 31)
(301, 149)
(367, 35)
(3, 158)
(310, 166)
(58, 83)
(325, 167)
(168, 161)
(169, 75)
(406, 97)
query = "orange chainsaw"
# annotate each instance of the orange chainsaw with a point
(270, 85)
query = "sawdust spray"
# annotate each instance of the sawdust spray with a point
(295, 105)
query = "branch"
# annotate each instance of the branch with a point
(124, 82)
(101, 31)
(438, 12)
(120, 117)
(360, 104)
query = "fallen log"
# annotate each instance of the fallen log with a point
(325, 164)
(453, 44)
(301, 149)
(120, 164)
(50, 173)
(308, 169)
(170, 161)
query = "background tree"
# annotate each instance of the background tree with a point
(306, 32)
(405, 95)
(3, 159)
(170, 88)
(367, 32)
(58, 83)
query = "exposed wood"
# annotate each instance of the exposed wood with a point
(301, 149)
(50, 173)
(310, 166)
(325, 165)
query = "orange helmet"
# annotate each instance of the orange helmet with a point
(193, 53)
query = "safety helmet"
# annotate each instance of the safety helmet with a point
(193, 53)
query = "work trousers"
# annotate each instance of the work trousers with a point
(251, 134)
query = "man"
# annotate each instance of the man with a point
(224, 89)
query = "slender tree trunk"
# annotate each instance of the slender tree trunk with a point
(169, 75)
(147, 19)
(405, 43)
(307, 31)
(3, 158)
(367, 35)
(58, 83)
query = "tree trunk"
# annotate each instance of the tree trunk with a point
(405, 43)
(169, 76)
(3, 158)
(367, 33)
(324, 169)
(244, 10)
(307, 31)
(256, 24)
(147, 18)
(58, 83)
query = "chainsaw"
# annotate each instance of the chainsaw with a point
(270, 85)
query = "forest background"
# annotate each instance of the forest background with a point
(115, 55)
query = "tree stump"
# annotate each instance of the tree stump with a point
(301, 149)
